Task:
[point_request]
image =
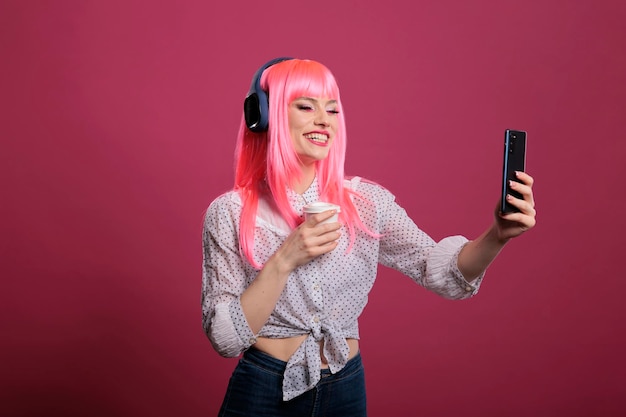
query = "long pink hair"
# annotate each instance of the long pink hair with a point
(267, 161)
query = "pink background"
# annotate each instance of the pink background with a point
(118, 124)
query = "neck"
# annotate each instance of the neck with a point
(308, 175)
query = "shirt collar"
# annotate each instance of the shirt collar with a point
(298, 201)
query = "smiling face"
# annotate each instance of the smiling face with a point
(312, 124)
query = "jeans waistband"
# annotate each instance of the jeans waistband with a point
(264, 360)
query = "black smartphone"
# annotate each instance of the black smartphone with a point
(514, 160)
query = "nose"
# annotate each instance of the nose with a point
(321, 118)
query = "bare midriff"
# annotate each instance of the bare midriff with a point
(283, 348)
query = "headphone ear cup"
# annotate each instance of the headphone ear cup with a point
(253, 113)
(256, 104)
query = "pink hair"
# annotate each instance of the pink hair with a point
(267, 161)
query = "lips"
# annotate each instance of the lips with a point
(317, 138)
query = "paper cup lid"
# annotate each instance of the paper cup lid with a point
(320, 206)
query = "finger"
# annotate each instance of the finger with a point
(302, 251)
(314, 247)
(323, 238)
(521, 220)
(318, 218)
(525, 178)
(526, 211)
(315, 235)
(525, 190)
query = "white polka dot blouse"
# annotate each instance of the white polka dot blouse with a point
(324, 298)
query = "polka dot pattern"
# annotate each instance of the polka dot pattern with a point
(324, 298)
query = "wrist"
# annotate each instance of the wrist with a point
(495, 235)
(279, 265)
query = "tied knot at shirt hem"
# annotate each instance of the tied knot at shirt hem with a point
(330, 290)
(304, 368)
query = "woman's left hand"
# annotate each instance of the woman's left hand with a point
(511, 225)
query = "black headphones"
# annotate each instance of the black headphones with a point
(256, 105)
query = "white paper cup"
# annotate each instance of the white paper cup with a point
(319, 207)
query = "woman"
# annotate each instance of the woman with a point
(288, 292)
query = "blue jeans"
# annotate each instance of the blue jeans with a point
(255, 390)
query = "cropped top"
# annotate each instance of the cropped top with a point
(324, 298)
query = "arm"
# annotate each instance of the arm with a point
(236, 299)
(306, 242)
(476, 256)
(411, 251)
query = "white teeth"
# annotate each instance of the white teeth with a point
(317, 137)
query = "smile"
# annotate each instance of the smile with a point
(317, 138)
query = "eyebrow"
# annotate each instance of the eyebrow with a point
(314, 100)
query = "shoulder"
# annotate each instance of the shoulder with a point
(227, 201)
(369, 190)
(226, 205)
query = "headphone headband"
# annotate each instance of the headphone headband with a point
(256, 104)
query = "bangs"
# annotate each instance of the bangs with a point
(310, 79)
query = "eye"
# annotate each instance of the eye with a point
(305, 107)
(333, 111)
